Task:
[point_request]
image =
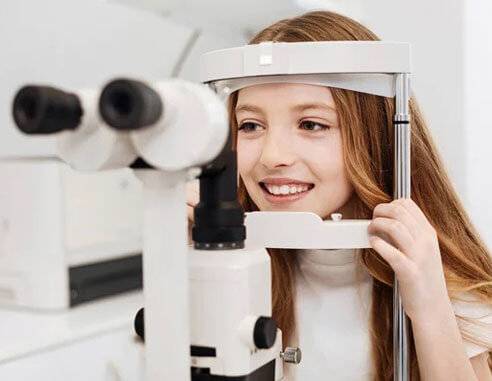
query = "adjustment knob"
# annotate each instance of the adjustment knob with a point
(265, 332)
(291, 355)
(139, 324)
(336, 216)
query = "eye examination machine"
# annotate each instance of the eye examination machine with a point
(59, 246)
(207, 308)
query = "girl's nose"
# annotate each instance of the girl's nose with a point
(276, 152)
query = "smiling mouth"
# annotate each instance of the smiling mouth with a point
(286, 190)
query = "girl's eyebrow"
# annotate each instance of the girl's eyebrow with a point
(313, 106)
(247, 107)
(298, 107)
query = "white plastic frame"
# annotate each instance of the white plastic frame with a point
(364, 66)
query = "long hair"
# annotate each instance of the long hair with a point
(367, 138)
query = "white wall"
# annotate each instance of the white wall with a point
(223, 17)
(477, 110)
(437, 61)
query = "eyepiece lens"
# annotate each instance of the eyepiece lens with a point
(28, 107)
(121, 103)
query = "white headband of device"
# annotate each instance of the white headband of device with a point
(363, 66)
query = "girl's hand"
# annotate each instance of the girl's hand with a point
(403, 236)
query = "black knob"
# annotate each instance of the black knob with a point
(129, 105)
(265, 332)
(46, 110)
(139, 324)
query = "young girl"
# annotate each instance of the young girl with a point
(325, 150)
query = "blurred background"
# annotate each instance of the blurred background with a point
(64, 222)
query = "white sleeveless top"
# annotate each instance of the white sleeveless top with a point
(333, 303)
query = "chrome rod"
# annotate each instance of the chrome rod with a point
(402, 186)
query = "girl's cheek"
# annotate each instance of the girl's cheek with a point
(247, 157)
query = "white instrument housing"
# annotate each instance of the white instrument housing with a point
(302, 230)
(54, 226)
(229, 291)
(364, 66)
(167, 144)
(93, 146)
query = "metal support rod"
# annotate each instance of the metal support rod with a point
(165, 270)
(402, 186)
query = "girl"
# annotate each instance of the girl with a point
(325, 150)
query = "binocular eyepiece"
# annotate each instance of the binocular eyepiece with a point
(129, 105)
(46, 110)
(124, 104)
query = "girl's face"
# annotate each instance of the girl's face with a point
(290, 149)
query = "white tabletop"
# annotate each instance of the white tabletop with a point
(23, 332)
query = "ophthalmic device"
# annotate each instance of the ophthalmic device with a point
(208, 307)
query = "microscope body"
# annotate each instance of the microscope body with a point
(220, 293)
(65, 233)
(215, 301)
(232, 335)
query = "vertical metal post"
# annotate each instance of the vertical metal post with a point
(402, 186)
(165, 270)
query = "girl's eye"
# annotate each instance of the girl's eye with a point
(248, 126)
(313, 126)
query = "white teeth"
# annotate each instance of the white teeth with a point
(286, 189)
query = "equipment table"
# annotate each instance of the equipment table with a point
(94, 341)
